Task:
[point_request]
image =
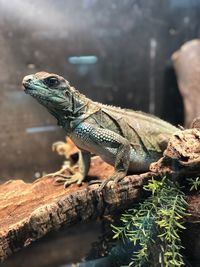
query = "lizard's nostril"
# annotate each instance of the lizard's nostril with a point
(27, 79)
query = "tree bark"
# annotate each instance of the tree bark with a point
(30, 211)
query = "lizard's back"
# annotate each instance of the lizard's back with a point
(136, 126)
(147, 134)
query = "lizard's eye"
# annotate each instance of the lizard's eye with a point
(51, 81)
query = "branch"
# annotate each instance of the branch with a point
(30, 211)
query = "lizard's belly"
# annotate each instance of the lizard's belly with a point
(139, 159)
(82, 140)
(106, 153)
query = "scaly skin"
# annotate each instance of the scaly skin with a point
(126, 139)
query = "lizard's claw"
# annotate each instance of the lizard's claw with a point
(115, 178)
(61, 171)
(58, 173)
(65, 168)
(70, 179)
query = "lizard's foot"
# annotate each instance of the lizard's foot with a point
(65, 168)
(115, 178)
(54, 174)
(70, 179)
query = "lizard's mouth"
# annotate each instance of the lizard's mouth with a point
(27, 87)
(31, 91)
(30, 88)
(34, 92)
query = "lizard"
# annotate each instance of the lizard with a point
(126, 139)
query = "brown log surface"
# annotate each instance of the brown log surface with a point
(182, 156)
(29, 211)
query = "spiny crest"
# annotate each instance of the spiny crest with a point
(77, 94)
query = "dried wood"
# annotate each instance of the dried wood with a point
(29, 211)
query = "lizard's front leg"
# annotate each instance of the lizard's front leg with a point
(114, 149)
(77, 177)
(121, 165)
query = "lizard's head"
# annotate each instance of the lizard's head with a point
(49, 89)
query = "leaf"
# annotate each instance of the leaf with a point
(180, 225)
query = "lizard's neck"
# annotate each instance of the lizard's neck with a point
(79, 103)
(78, 109)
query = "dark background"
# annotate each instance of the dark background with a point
(130, 43)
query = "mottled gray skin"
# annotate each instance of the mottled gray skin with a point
(126, 139)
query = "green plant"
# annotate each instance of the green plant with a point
(194, 183)
(154, 226)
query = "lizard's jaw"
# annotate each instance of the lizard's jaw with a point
(41, 95)
(35, 93)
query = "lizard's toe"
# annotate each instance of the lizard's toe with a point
(106, 182)
(62, 178)
(70, 181)
(114, 179)
(75, 178)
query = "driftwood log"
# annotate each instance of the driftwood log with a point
(186, 62)
(30, 211)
